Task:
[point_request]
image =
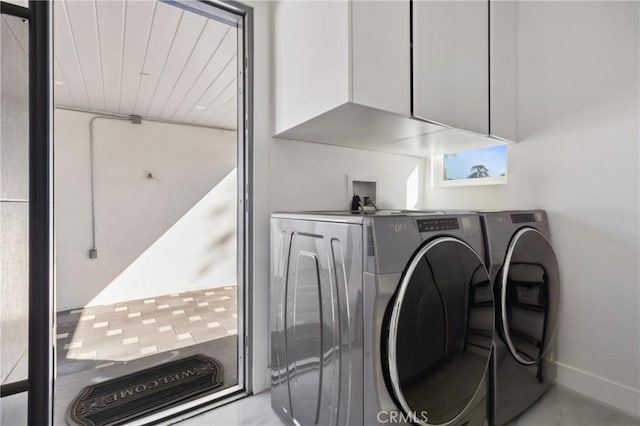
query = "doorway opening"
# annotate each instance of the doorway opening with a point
(151, 164)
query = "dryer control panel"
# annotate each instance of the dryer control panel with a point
(440, 224)
(522, 218)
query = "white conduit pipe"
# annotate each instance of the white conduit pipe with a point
(93, 252)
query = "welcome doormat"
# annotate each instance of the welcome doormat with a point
(148, 391)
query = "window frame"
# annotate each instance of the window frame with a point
(437, 174)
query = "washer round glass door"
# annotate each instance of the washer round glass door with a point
(529, 296)
(440, 329)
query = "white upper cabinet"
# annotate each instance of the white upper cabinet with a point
(504, 70)
(381, 62)
(451, 63)
(342, 72)
(311, 59)
(345, 73)
(330, 53)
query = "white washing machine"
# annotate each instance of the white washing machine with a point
(380, 318)
(526, 281)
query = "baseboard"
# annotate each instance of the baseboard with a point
(603, 390)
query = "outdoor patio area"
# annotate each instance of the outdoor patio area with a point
(101, 336)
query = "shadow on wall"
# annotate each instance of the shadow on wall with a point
(198, 251)
(169, 232)
(224, 236)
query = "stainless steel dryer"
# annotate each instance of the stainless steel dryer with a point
(381, 318)
(524, 270)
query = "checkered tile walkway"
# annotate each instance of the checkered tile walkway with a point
(100, 336)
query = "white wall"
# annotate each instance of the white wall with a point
(310, 176)
(154, 236)
(579, 159)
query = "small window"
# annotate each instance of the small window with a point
(482, 166)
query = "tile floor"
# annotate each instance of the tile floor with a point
(558, 407)
(99, 336)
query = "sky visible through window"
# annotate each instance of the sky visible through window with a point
(476, 163)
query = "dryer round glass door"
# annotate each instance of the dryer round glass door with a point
(529, 295)
(440, 328)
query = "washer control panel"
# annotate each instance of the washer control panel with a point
(522, 218)
(440, 224)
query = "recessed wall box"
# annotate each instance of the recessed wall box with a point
(363, 186)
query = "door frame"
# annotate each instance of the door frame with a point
(20, 386)
(41, 262)
(41, 367)
(244, 16)
(39, 383)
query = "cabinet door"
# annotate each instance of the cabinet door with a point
(504, 70)
(310, 58)
(380, 55)
(451, 63)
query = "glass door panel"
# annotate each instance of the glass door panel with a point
(14, 217)
(149, 175)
